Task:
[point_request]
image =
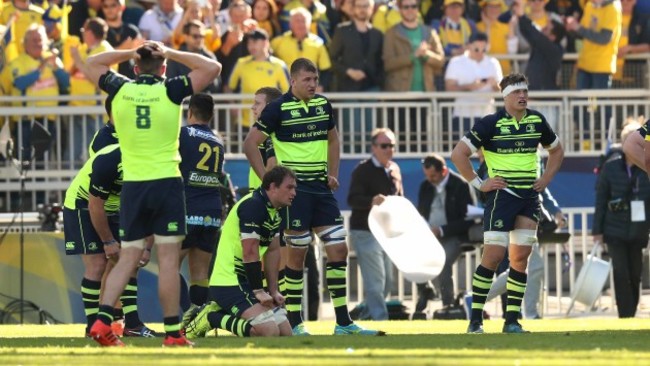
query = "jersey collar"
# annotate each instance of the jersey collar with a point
(265, 197)
(148, 79)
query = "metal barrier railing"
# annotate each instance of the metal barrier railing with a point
(423, 123)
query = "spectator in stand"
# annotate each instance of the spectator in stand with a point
(299, 42)
(194, 34)
(545, 60)
(502, 38)
(256, 71)
(84, 126)
(409, 67)
(600, 30)
(121, 35)
(621, 221)
(158, 23)
(265, 12)
(232, 47)
(635, 38)
(211, 33)
(412, 54)
(21, 14)
(356, 52)
(319, 24)
(474, 72)
(454, 29)
(35, 73)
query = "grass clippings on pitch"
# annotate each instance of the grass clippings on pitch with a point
(585, 341)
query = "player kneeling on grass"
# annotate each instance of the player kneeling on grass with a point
(239, 302)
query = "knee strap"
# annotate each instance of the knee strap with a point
(523, 237)
(499, 238)
(299, 240)
(333, 235)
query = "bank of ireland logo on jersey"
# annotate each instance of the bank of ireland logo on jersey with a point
(295, 113)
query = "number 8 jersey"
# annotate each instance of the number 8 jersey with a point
(147, 117)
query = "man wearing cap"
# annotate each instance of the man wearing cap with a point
(257, 70)
(453, 28)
(509, 140)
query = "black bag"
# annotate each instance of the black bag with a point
(452, 312)
(396, 311)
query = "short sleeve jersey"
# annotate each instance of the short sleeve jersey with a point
(252, 217)
(103, 137)
(510, 147)
(100, 176)
(267, 152)
(201, 166)
(147, 115)
(299, 133)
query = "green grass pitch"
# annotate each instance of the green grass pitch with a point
(577, 341)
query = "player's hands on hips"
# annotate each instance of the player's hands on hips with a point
(264, 298)
(332, 182)
(493, 184)
(540, 185)
(145, 258)
(278, 299)
(112, 251)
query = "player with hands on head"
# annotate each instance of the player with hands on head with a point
(147, 117)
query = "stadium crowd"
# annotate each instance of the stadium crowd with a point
(256, 40)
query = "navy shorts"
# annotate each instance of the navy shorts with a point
(501, 209)
(233, 299)
(152, 207)
(80, 234)
(310, 210)
(201, 237)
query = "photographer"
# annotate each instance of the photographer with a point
(622, 195)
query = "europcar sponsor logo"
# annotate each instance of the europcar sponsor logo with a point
(198, 179)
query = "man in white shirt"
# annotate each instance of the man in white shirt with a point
(473, 72)
(159, 22)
